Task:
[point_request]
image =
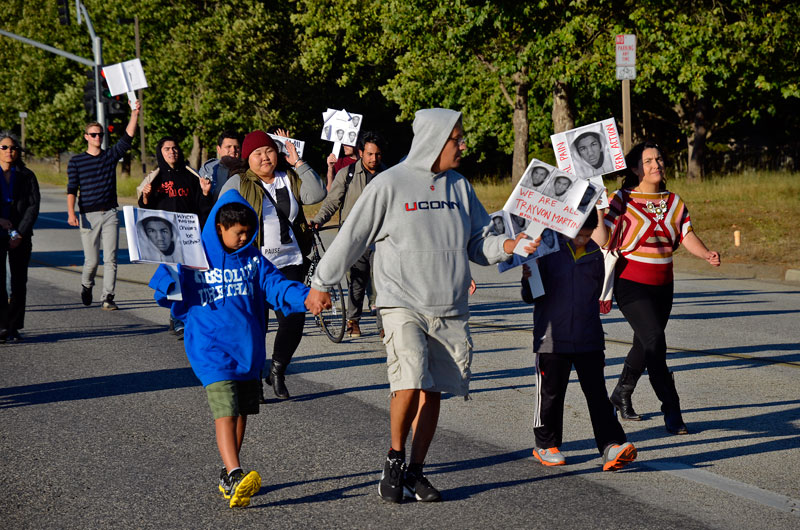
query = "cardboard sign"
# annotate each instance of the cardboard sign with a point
(511, 225)
(125, 78)
(341, 128)
(158, 236)
(560, 202)
(281, 141)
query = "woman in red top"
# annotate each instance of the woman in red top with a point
(653, 223)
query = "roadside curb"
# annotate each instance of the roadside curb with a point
(772, 273)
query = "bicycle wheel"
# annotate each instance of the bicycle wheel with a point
(333, 320)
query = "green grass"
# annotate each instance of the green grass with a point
(763, 206)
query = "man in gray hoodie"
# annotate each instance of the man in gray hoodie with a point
(427, 224)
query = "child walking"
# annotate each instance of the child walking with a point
(567, 332)
(223, 308)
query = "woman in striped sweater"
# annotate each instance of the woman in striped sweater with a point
(648, 223)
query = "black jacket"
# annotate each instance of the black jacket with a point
(25, 206)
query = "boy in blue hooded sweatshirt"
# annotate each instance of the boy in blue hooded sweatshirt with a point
(224, 308)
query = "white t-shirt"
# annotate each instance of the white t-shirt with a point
(276, 252)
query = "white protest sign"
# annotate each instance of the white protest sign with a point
(560, 202)
(590, 151)
(125, 78)
(158, 236)
(504, 223)
(281, 141)
(340, 127)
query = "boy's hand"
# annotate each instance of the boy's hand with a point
(316, 301)
(526, 272)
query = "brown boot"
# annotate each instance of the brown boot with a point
(352, 328)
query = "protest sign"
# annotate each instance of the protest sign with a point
(125, 78)
(590, 151)
(157, 236)
(560, 202)
(504, 223)
(281, 141)
(340, 127)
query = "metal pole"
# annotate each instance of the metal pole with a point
(45, 47)
(626, 115)
(98, 64)
(22, 116)
(139, 97)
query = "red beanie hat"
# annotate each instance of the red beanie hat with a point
(254, 140)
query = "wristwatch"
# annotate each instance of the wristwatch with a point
(15, 235)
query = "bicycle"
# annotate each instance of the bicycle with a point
(334, 320)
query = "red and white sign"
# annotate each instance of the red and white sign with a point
(626, 50)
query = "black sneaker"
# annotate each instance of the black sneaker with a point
(108, 303)
(4, 336)
(239, 487)
(223, 479)
(390, 488)
(14, 336)
(86, 295)
(416, 486)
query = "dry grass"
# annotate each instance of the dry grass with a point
(763, 206)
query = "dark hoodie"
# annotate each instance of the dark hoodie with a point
(224, 306)
(177, 189)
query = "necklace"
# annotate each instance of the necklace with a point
(657, 211)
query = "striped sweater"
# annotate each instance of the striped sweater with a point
(96, 177)
(653, 226)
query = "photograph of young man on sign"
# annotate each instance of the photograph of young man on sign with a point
(158, 240)
(590, 153)
(535, 178)
(558, 187)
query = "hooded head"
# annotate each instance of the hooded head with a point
(432, 130)
(211, 239)
(163, 166)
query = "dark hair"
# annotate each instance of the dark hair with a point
(147, 220)
(591, 220)
(633, 159)
(371, 137)
(236, 213)
(13, 137)
(228, 134)
(179, 164)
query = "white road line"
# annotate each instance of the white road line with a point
(740, 489)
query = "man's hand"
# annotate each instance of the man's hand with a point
(510, 244)
(14, 242)
(331, 160)
(472, 287)
(316, 301)
(205, 185)
(72, 219)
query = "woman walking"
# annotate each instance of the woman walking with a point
(646, 224)
(277, 187)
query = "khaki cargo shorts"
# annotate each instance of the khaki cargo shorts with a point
(427, 353)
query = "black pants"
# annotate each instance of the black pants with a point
(290, 327)
(551, 382)
(12, 312)
(647, 309)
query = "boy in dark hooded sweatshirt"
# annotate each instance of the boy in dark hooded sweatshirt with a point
(223, 308)
(427, 225)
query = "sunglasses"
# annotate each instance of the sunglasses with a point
(95, 135)
(12, 147)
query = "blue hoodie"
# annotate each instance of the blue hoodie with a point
(224, 307)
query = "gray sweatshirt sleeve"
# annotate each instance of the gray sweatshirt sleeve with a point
(484, 247)
(312, 190)
(363, 226)
(333, 200)
(231, 184)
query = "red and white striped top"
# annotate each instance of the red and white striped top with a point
(653, 226)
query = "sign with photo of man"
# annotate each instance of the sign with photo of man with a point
(158, 236)
(341, 127)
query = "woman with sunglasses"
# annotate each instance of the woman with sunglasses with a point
(19, 208)
(647, 223)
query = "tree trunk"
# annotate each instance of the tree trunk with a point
(563, 115)
(521, 126)
(194, 157)
(696, 141)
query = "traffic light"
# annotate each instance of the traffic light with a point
(115, 128)
(117, 106)
(63, 12)
(89, 103)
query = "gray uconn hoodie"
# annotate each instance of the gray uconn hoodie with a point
(425, 227)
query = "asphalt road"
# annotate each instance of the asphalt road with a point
(104, 424)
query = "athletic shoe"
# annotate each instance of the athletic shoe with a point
(86, 295)
(240, 487)
(352, 328)
(178, 329)
(4, 336)
(390, 488)
(108, 303)
(223, 478)
(14, 336)
(549, 457)
(417, 486)
(618, 456)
